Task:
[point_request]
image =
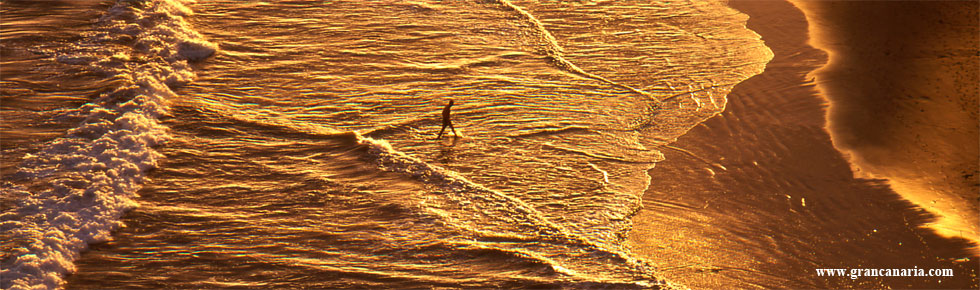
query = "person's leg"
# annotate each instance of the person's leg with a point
(452, 128)
(443, 130)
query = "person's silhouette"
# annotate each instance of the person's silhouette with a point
(447, 121)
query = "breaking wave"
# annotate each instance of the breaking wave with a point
(73, 192)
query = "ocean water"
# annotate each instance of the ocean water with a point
(226, 144)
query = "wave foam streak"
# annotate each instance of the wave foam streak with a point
(505, 223)
(73, 192)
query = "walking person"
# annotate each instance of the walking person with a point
(447, 121)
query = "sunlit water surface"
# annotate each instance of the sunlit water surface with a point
(302, 152)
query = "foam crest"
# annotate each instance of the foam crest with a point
(78, 186)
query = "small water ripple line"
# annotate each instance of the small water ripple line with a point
(554, 51)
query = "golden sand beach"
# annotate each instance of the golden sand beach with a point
(729, 207)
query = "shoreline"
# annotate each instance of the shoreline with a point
(787, 202)
(902, 93)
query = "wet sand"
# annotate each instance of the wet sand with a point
(902, 81)
(783, 201)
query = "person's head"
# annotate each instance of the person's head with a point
(450, 102)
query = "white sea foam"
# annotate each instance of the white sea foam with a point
(83, 182)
